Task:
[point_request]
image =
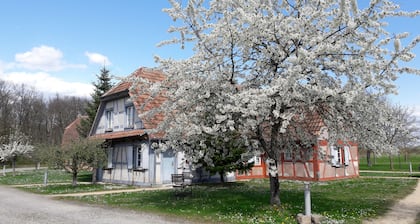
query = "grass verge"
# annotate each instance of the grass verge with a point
(389, 174)
(52, 189)
(37, 177)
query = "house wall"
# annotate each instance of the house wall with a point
(317, 168)
(257, 171)
(329, 172)
(155, 169)
(121, 167)
(118, 108)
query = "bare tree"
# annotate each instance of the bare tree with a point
(78, 155)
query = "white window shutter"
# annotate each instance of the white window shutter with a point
(129, 157)
(347, 155)
(110, 151)
(145, 155)
(334, 156)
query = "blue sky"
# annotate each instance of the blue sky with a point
(59, 46)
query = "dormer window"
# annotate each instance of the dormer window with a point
(129, 116)
(109, 120)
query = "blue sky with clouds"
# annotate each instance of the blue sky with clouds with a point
(59, 46)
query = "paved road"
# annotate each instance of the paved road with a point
(18, 207)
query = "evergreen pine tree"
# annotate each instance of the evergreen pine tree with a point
(102, 85)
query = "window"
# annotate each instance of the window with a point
(288, 155)
(256, 160)
(129, 116)
(137, 157)
(340, 156)
(109, 119)
(334, 153)
(347, 155)
(110, 157)
(129, 151)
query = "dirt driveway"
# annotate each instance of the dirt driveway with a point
(403, 212)
(21, 207)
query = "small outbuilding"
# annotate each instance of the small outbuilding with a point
(324, 161)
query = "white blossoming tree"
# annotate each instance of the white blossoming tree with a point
(397, 130)
(15, 145)
(260, 67)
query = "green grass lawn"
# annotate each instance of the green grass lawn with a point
(59, 182)
(37, 177)
(347, 201)
(388, 174)
(52, 189)
(383, 163)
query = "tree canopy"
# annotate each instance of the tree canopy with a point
(102, 85)
(261, 67)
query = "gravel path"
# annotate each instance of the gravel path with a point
(403, 212)
(22, 207)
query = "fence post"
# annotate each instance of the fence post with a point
(45, 177)
(411, 169)
(307, 198)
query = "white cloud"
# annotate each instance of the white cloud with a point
(44, 58)
(45, 83)
(97, 58)
(416, 111)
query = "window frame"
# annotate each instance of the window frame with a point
(129, 116)
(340, 156)
(138, 157)
(109, 119)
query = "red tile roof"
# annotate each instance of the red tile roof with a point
(121, 87)
(313, 123)
(146, 73)
(142, 103)
(70, 132)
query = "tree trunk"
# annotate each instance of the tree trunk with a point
(4, 169)
(368, 159)
(222, 180)
(274, 190)
(274, 182)
(14, 166)
(374, 158)
(94, 178)
(74, 182)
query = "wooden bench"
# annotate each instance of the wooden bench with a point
(180, 182)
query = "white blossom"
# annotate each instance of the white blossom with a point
(16, 144)
(258, 64)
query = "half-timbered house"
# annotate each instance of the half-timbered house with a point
(128, 140)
